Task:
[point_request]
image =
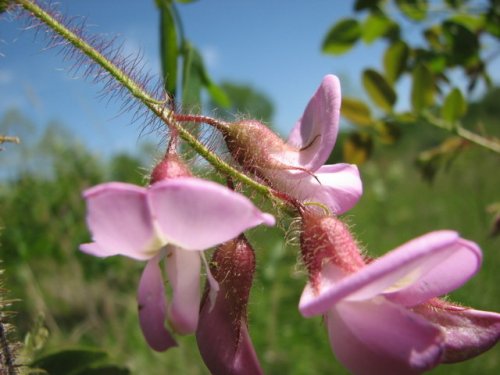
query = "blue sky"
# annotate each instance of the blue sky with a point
(273, 45)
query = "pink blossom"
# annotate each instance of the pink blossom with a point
(296, 167)
(383, 318)
(172, 220)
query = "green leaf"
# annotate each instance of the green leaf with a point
(69, 362)
(342, 36)
(169, 49)
(463, 44)
(376, 25)
(422, 91)
(357, 148)
(388, 132)
(356, 111)
(191, 79)
(413, 9)
(379, 90)
(366, 4)
(395, 60)
(454, 106)
(433, 36)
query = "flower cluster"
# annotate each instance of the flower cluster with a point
(383, 316)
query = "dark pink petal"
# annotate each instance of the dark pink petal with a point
(378, 337)
(467, 332)
(197, 214)
(224, 341)
(183, 272)
(316, 132)
(120, 222)
(401, 268)
(152, 307)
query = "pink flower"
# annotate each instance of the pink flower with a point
(384, 318)
(296, 167)
(222, 334)
(172, 220)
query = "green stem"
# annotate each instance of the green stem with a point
(487, 143)
(138, 92)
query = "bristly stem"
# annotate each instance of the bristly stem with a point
(159, 108)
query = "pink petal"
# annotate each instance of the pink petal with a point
(378, 337)
(463, 260)
(223, 339)
(408, 265)
(120, 222)
(467, 332)
(337, 186)
(316, 132)
(197, 214)
(152, 306)
(183, 271)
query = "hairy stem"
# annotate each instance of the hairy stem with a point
(156, 106)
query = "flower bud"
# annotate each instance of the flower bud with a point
(171, 166)
(222, 333)
(253, 145)
(325, 240)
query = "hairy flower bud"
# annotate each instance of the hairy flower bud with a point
(325, 240)
(171, 166)
(222, 333)
(253, 145)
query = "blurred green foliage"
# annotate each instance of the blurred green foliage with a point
(456, 38)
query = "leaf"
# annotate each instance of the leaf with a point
(169, 49)
(69, 362)
(191, 79)
(342, 36)
(422, 91)
(366, 4)
(357, 148)
(356, 111)
(388, 132)
(454, 106)
(415, 10)
(395, 60)
(379, 90)
(463, 44)
(375, 26)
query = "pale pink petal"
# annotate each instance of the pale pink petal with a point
(120, 222)
(467, 332)
(223, 339)
(337, 186)
(197, 214)
(152, 307)
(378, 337)
(316, 132)
(183, 272)
(462, 262)
(402, 267)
